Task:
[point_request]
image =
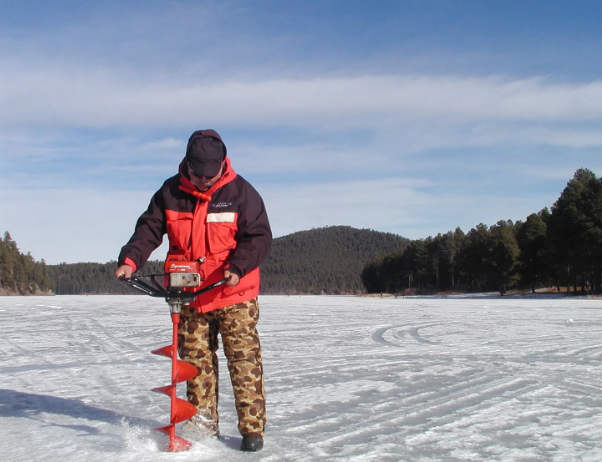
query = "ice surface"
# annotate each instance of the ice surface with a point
(349, 379)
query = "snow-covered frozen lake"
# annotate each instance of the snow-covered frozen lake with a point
(349, 379)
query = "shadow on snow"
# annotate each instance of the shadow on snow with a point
(30, 406)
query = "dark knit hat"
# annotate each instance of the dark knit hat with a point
(205, 153)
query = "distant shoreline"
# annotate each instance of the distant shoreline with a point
(491, 295)
(457, 296)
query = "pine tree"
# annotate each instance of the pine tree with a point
(504, 253)
(575, 231)
(531, 240)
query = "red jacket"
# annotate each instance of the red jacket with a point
(227, 224)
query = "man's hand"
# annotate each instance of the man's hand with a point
(124, 271)
(233, 279)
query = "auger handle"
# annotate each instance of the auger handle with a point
(146, 288)
(143, 286)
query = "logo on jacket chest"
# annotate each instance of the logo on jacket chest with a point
(221, 205)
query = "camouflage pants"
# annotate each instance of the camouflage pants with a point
(198, 344)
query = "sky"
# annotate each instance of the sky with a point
(410, 117)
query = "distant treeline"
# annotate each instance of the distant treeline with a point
(93, 278)
(561, 247)
(21, 274)
(319, 261)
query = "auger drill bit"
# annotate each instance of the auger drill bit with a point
(181, 371)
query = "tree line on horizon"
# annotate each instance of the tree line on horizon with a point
(20, 274)
(94, 278)
(560, 248)
(319, 261)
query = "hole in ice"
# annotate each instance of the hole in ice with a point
(141, 439)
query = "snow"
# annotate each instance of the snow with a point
(347, 379)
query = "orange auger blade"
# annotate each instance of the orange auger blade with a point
(182, 410)
(184, 371)
(166, 429)
(177, 444)
(181, 371)
(166, 390)
(164, 351)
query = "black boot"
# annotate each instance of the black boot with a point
(251, 443)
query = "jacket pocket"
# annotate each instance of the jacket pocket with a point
(221, 232)
(179, 231)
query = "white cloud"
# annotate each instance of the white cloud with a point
(62, 97)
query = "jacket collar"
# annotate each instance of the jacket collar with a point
(185, 185)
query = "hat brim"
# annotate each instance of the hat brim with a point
(208, 170)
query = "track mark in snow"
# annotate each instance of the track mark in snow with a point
(442, 406)
(415, 334)
(399, 333)
(377, 335)
(589, 351)
(77, 365)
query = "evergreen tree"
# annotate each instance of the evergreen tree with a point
(476, 257)
(504, 253)
(575, 232)
(447, 248)
(531, 240)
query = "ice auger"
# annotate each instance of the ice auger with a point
(179, 275)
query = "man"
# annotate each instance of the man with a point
(213, 216)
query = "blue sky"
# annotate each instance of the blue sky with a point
(412, 117)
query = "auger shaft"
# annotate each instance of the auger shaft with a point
(176, 444)
(175, 319)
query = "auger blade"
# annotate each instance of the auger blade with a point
(182, 410)
(166, 390)
(166, 429)
(184, 371)
(164, 351)
(177, 444)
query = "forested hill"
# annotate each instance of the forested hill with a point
(20, 274)
(324, 260)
